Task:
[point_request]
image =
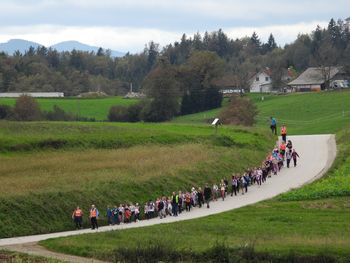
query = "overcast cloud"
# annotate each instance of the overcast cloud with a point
(128, 25)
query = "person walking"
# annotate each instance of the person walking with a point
(284, 133)
(200, 197)
(93, 217)
(175, 204)
(78, 217)
(234, 185)
(273, 125)
(222, 189)
(295, 155)
(289, 145)
(207, 194)
(109, 214)
(288, 157)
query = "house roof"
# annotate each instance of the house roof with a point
(313, 76)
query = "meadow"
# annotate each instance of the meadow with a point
(47, 168)
(92, 108)
(311, 222)
(305, 113)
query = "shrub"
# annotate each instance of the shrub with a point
(27, 109)
(58, 114)
(241, 111)
(5, 112)
(118, 113)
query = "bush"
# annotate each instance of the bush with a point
(58, 114)
(241, 111)
(6, 112)
(118, 113)
(27, 109)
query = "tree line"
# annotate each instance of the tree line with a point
(181, 77)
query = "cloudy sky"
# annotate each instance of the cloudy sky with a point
(128, 25)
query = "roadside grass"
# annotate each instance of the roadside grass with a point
(109, 164)
(15, 257)
(96, 108)
(307, 228)
(305, 113)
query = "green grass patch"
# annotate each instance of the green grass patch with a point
(272, 227)
(15, 257)
(96, 108)
(48, 168)
(305, 113)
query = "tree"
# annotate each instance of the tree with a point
(27, 109)
(162, 88)
(196, 78)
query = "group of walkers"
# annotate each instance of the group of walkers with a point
(183, 201)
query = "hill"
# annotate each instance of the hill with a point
(22, 46)
(305, 113)
(70, 45)
(49, 168)
(309, 224)
(13, 45)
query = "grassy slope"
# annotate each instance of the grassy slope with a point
(98, 165)
(310, 220)
(90, 108)
(305, 113)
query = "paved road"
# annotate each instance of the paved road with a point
(317, 153)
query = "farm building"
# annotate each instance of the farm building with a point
(263, 80)
(315, 79)
(32, 94)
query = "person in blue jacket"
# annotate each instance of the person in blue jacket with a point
(273, 125)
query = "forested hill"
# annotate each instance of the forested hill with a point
(74, 72)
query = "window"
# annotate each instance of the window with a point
(257, 79)
(266, 78)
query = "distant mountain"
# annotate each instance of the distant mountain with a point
(23, 45)
(70, 45)
(17, 44)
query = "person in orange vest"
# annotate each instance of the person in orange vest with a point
(77, 216)
(93, 217)
(283, 149)
(284, 133)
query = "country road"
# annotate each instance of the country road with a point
(317, 153)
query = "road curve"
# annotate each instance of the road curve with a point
(317, 153)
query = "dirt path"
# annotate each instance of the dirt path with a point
(312, 165)
(35, 249)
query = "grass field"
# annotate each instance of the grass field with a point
(14, 257)
(83, 107)
(305, 113)
(47, 168)
(311, 221)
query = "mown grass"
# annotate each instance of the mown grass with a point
(108, 164)
(96, 108)
(305, 113)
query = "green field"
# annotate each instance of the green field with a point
(309, 222)
(47, 168)
(83, 107)
(305, 113)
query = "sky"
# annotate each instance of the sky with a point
(128, 25)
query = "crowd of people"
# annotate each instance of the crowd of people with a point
(183, 201)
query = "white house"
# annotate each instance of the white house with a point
(32, 94)
(261, 81)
